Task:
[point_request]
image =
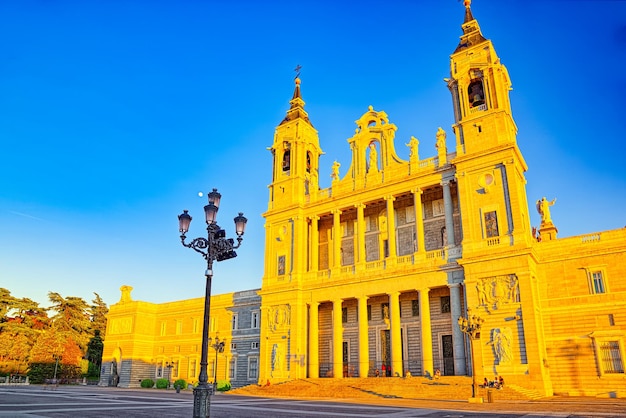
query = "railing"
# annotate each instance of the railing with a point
(479, 108)
(441, 253)
(590, 238)
(433, 161)
(323, 273)
(406, 259)
(347, 269)
(493, 241)
(375, 265)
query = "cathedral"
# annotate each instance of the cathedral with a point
(420, 266)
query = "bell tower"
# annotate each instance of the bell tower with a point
(296, 153)
(490, 166)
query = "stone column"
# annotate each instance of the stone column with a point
(360, 230)
(315, 243)
(364, 357)
(457, 335)
(426, 332)
(336, 238)
(396, 336)
(448, 209)
(314, 361)
(337, 340)
(419, 221)
(391, 227)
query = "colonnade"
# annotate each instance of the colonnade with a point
(397, 366)
(360, 253)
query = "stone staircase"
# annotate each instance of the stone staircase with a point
(444, 388)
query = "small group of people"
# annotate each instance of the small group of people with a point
(497, 383)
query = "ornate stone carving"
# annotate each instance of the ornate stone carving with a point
(279, 318)
(502, 340)
(494, 292)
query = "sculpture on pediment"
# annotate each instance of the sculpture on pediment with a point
(494, 292)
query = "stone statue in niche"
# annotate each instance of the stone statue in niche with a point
(277, 360)
(502, 340)
(373, 160)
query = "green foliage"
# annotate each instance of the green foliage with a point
(39, 372)
(147, 383)
(180, 383)
(94, 349)
(93, 371)
(223, 385)
(162, 383)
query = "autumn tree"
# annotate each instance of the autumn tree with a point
(71, 318)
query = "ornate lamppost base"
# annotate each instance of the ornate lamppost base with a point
(202, 401)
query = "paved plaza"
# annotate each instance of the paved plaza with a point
(98, 402)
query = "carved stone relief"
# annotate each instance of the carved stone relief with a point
(494, 292)
(279, 318)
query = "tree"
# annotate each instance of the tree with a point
(98, 311)
(71, 319)
(6, 301)
(94, 349)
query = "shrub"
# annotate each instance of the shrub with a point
(223, 385)
(180, 383)
(147, 383)
(162, 384)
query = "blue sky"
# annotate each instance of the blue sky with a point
(115, 114)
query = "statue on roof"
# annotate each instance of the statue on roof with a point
(543, 207)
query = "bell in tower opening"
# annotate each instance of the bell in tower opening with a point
(476, 93)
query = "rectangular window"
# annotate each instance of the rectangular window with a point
(369, 312)
(491, 224)
(415, 307)
(255, 320)
(192, 368)
(233, 346)
(281, 265)
(175, 368)
(232, 371)
(438, 207)
(344, 315)
(611, 357)
(179, 327)
(163, 328)
(253, 367)
(254, 345)
(196, 325)
(445, 304)
(597, 283)
(213, 327)
(235, 321)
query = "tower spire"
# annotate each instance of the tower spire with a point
(468, 11)
(296, 109)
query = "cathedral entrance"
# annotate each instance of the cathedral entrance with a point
(448, 355)
(385, 353)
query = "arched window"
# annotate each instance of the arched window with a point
(476, 93)
(287, 160)
(308, 162)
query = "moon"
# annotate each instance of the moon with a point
(200, 194)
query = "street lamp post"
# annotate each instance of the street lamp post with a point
(169, 366)
(218, 346)
(215, 247)
(471, 327)
(56, 365)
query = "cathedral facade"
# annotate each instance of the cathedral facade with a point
(375, 274)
